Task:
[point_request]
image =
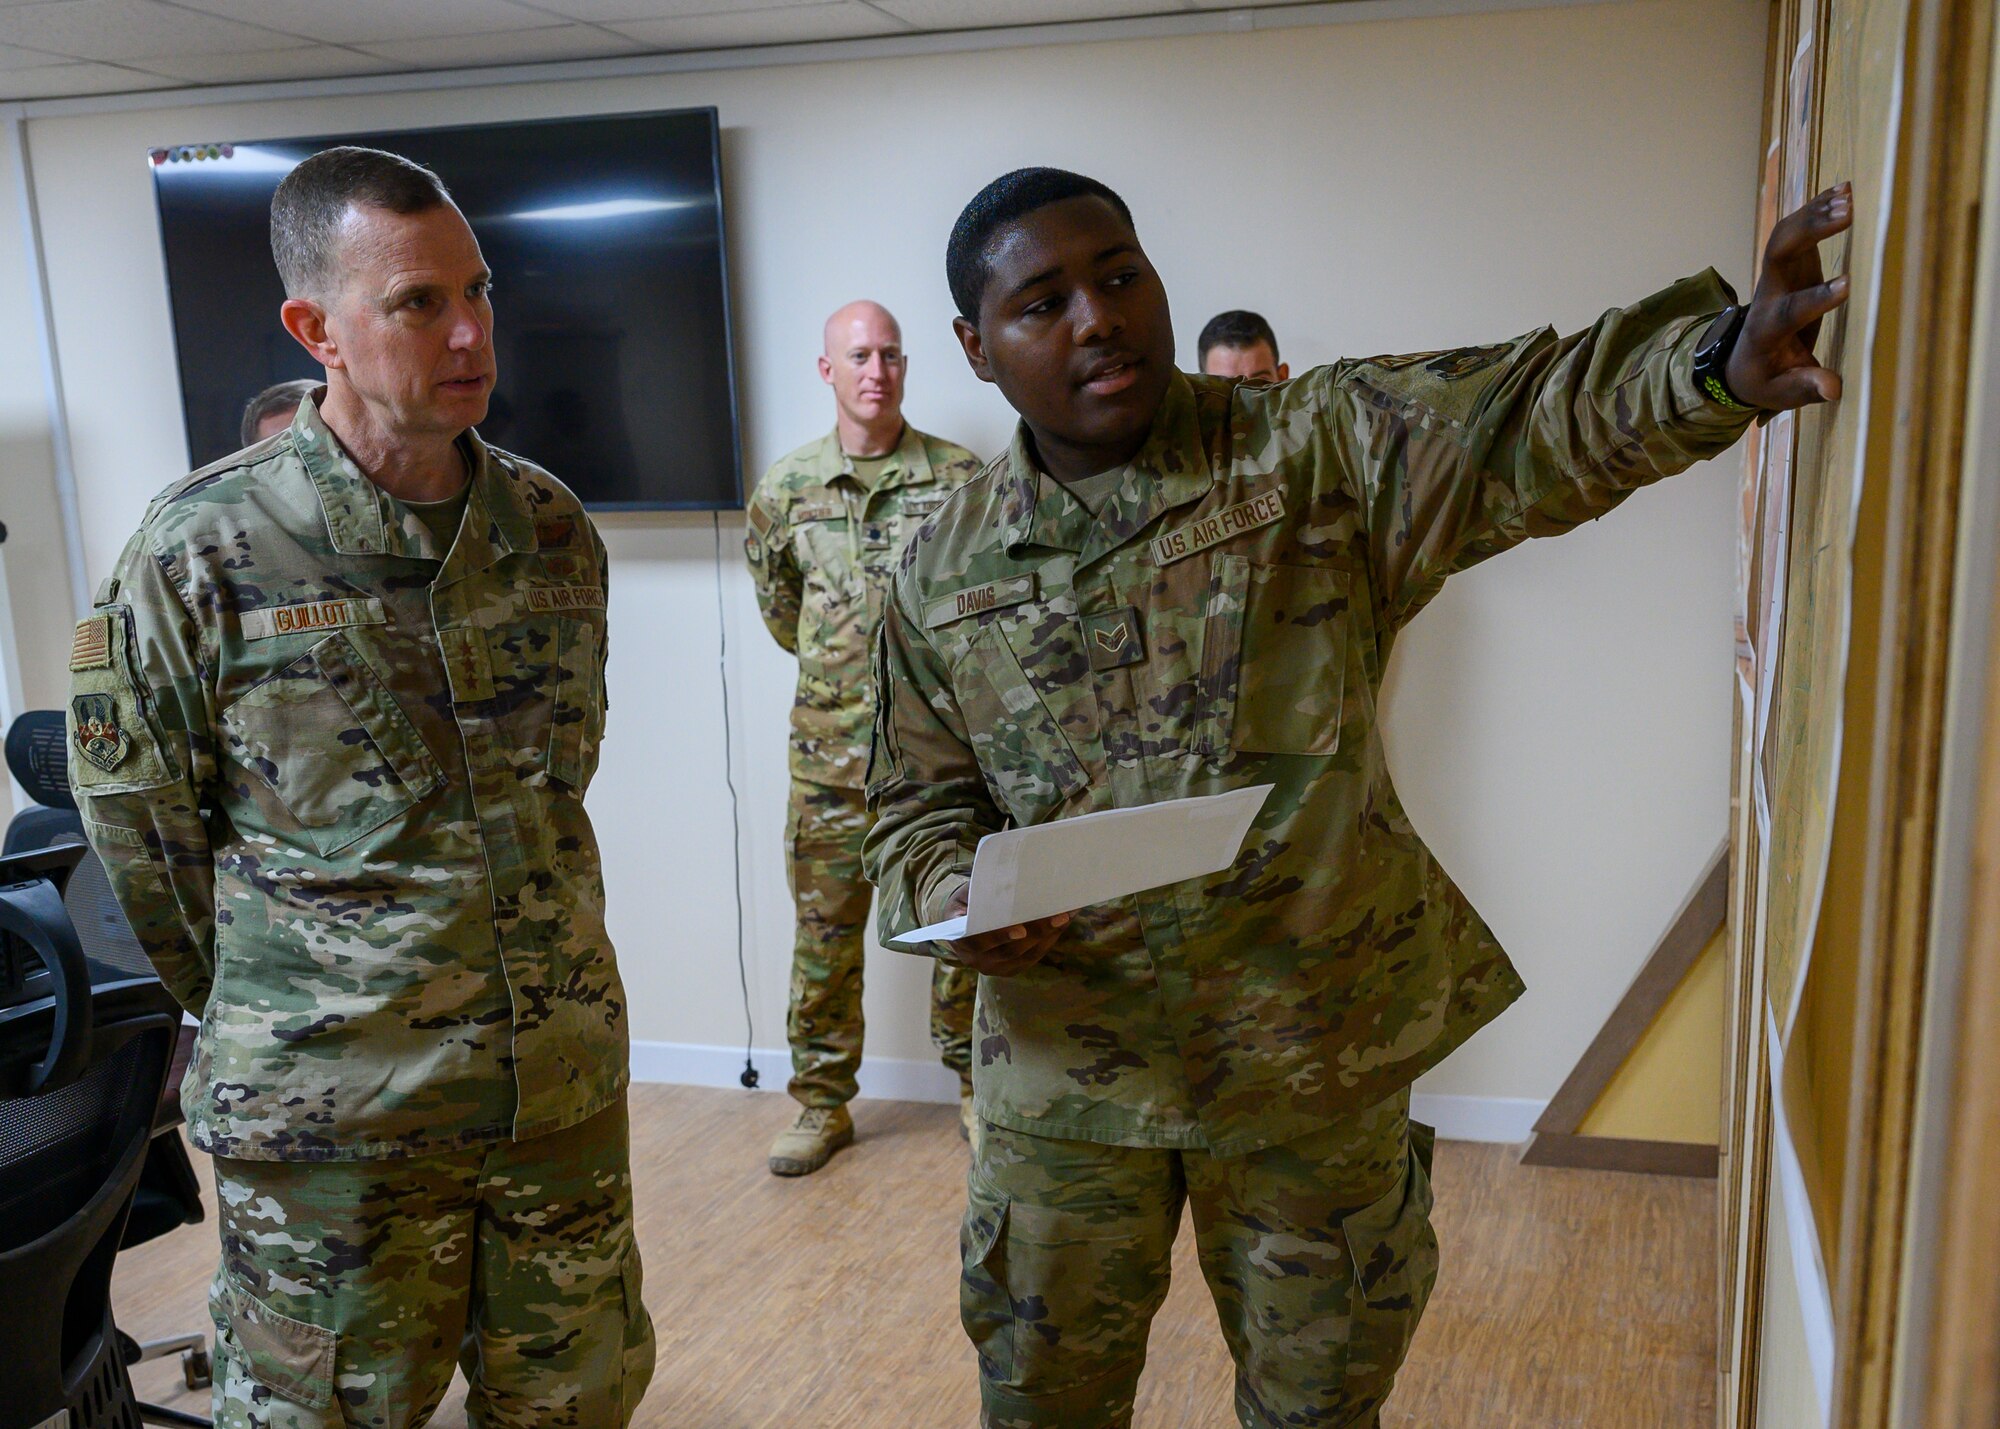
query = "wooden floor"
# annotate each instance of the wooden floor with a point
(1568, 1298)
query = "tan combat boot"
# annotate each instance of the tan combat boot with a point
(810, 1141)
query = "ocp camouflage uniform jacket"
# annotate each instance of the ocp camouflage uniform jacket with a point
(822, 549)
(1224, 621)
(337, 780)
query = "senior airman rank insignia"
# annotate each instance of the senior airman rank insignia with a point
(99, 738)
(1114, 638)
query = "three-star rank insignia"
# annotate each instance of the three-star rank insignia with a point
(99, 736)
(1114, 638)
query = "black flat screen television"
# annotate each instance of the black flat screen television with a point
(611, 298)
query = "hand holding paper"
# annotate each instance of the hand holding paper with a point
(1021, 876)
(1005, 951)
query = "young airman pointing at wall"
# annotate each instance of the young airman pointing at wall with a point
(1177, 586)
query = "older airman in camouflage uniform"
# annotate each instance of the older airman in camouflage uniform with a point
(825, 525)
(1205, 600)
(332, 743)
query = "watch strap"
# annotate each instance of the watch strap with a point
(1711, 359)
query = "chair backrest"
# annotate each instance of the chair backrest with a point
(38, 758)
(82, 1061)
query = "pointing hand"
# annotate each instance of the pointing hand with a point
(1773, 366)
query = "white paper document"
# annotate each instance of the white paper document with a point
(1019, 875)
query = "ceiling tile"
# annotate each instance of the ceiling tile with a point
(789, 24)
(306, 62)
(600, 11)
(126, 29)
(959, 15)
(60, 81)
(557, 42)
(349, 22)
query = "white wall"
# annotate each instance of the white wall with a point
(37, 587)
(1560, 720)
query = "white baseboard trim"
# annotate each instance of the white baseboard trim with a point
(1508, 1120)
(1457, 1118)
(692, 1065)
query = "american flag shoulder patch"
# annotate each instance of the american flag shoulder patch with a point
(90, 647)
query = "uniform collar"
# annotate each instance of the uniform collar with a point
(363, 520)
(913, 462)
(1170, 470)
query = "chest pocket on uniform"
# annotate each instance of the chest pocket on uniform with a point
(332, 744)
(1026, 758)
(1274, 658)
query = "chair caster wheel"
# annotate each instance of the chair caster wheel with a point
(197, 1372)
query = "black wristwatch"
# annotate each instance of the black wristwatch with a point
(1711, 359)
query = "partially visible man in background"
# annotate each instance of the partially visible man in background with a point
(1240, 344)
(825, 526)
(272, 410)
(333, 716)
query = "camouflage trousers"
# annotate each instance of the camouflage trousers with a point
(823, 832)
(1319, 1255)
(348, 1289)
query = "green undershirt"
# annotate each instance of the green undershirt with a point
(1093, 491)
(869, 470)
(441, 518)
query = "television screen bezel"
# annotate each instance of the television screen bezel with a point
(714, 117)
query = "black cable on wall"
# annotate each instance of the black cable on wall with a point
(748, 1076)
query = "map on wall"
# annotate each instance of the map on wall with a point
(1799, 719)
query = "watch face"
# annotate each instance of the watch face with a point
(1722, 330)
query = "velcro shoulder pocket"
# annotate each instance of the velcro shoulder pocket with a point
(114, 745)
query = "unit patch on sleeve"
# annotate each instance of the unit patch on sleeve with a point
(554, 531)
(312, 615)
(90, 647)
(1198, 535)
(100, 737)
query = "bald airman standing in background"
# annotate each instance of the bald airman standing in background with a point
(825, 526)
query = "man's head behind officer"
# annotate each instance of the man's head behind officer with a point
(386, 287)
(272, 410)
(1240, 344)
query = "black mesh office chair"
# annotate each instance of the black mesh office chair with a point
(39, 761)
(167, 1195)
(82, 1060)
